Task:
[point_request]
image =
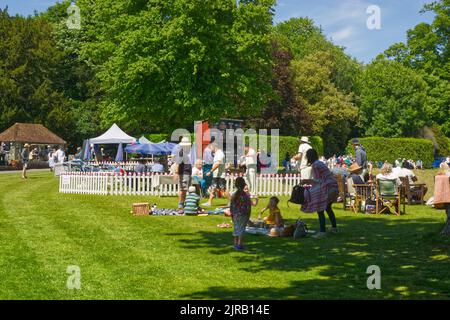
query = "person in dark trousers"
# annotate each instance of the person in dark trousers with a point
(322, 194)
(361, 156)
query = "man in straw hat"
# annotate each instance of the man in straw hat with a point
(25, 158)
(300, 157)
(183, 169)
(355, 173)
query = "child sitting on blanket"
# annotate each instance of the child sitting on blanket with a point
(274, 219)
(191, 204)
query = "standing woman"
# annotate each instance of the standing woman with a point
(323, 193)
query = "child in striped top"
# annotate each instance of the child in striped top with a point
(191, 204)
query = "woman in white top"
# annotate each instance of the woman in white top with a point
(444, 169)
(197, 170)
(387, 174)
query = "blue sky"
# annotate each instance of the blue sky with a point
(343, 21)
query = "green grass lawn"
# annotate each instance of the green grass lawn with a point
(121, 256)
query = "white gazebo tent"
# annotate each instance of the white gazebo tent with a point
(114, 135)
(143, 140)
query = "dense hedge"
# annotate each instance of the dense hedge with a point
(382, 149)
(443, 143)
(287, 144)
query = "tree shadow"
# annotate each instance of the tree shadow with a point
(412, 256)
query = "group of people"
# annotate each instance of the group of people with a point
(4, 150)
(320, 197)
(210, 172)
(55, 155)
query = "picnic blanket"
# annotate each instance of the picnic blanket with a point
(165, 212)
(217, 211)
(254, 230)
(441, 190)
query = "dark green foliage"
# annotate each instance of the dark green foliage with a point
(443, 142)
(30, 76)
(284, 111)
(176, 62)
(427, 51)
(394, 100)
(390, 149)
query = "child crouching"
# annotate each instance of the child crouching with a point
(191, 204)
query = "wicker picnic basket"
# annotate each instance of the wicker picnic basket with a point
(140, 209)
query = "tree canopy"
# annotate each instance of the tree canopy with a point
(157, 65)
(174, 62)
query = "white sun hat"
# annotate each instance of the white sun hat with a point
(185, 142)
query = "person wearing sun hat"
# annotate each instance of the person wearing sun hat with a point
(183, 169)
(355, 173)
(25, 158)
(302, 162)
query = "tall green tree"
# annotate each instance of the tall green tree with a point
(29, 66)
(284, 110)
(168, 63)
(332, 111)
(327, 81)
(76, 76)
(427, 50)
(305, 38)
(393, 100)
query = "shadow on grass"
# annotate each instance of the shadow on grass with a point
(413, 257)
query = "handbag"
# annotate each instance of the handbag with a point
(297, 195)
(301, 229)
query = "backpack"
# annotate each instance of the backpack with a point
(297, 195)
(301, 230)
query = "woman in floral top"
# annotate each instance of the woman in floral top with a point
(240, 208)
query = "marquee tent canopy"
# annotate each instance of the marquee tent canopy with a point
(144, 140)
(114, 135)
(162, 148)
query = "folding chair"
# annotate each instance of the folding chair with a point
(354, 202)
(414, 193)
(387, 191)
(343, 193)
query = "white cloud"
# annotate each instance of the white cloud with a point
(342, 34)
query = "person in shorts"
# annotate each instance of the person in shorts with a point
(183, 170)
(218, 173)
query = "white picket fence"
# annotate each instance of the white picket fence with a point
(154, 184)
(125, 165)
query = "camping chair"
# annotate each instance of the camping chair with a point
(353, 203)
(414, 193)
(347, 199)
(388, 191)
(362, 193)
